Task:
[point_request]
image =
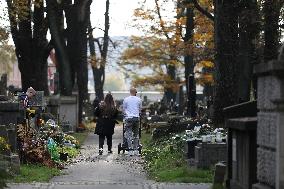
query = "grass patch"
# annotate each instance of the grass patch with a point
(218, 186)
(35, 173)
(165, 161)
(80, 136)
(186, 175)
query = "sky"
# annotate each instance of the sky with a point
(120, 13)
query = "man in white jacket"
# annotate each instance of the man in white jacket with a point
(132, 106)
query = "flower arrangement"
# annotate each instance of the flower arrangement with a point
(45, 145)
(206, 133)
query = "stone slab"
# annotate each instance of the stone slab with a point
(273, 67)
(9, 106)
(204, 151)
(269, 88)
(261, 186)
(267, 129)
(266, 166)
(219, 174)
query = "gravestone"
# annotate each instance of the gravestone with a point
(10, 163)
(52, 106)
(241, 122)
(270, 127)
(65, 109)
(204, 151)
(219, 174)
(11, 114)
(68, 110)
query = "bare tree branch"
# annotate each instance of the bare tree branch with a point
(161, 20)
(202, 10)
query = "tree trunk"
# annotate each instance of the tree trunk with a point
(77, 18)
(226, 43)
(82, 63)
(65, 81)
(99, 68)
(188, 61)
(170, 94)
(32, 48)
(248, 32)
(271, 11)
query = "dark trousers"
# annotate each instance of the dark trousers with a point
(102, 140)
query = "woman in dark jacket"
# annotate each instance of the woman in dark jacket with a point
(106, 113)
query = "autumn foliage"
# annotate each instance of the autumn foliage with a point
(163, 44)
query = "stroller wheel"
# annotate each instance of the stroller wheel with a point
(119, 148)
(140, 149)
(123, 151)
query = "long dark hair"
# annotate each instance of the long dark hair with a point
(109, 105)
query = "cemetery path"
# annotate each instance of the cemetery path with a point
(117, 171)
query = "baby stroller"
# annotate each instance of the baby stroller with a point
(124, 146)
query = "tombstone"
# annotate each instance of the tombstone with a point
(68, 110)
(10, 163)
(12, 136)
(11, 112)
(241, 122)
(219, 174)
(270, 127)
(189, 148)
(204, 151)
(65, 109)
(52, 106)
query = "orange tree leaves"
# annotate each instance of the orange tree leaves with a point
(163, 24)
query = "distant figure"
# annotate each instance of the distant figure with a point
(106, 113)
(172, 103)
(25, 98)
(132, 106)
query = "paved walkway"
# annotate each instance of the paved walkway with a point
(109, 171)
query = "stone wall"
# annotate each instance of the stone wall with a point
(270, 125)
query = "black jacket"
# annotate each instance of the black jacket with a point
(105, 124)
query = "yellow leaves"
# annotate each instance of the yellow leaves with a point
(164, 44)
(143, 14)
(205, 78)
(3, 145)
(133, 53)
(205, 63)
(181, 21)
(22, 9)
(160, 80)
(93, 61)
